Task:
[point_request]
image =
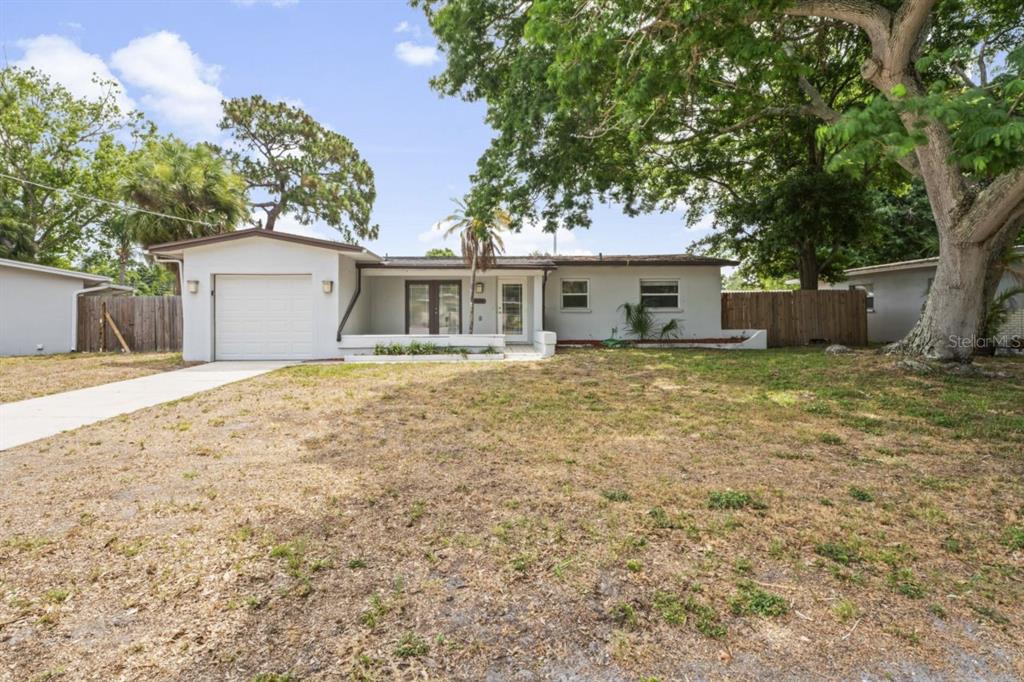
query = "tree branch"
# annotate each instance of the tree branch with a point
(905, 37)
(873, 19)
(994, 207)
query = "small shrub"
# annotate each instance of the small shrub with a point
(1013, 537)
(830, 439)
(732, 499)
(356, 564)
(412, 645)
(937, 610)
(634, 566)
(839, 552)
(624, 615)
(902, 580)
(660, 518)
(861, 494)
(57, 596)
(751, 599)
(953, 545)
(844, 610)
(670, 607)
(615, 495)
(373, 615)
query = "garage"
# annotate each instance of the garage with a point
(263, 317)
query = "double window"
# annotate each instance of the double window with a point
(433, 307)
(660, 293)
(576, 294)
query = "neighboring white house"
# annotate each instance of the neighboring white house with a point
(897, 293)
(257, 294)
(39, 306)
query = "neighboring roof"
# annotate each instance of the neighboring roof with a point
(107, 287)
(550, 262)
(173, 247)
(503, 262)
(46, 269)
(902, 265)
(656, 259)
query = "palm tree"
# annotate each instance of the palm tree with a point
(481, 244)
(192, 189)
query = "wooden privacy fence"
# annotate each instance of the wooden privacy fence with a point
(797, 318)
(144, 323)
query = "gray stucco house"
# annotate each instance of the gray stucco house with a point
(897, 293)
(39, 306)
(255, 294)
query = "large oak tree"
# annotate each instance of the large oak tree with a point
(634, 101)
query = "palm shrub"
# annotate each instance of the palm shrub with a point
(640, 322)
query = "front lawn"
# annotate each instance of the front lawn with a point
(630, 514)
(31, 376)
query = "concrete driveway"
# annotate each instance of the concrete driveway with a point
(29, 420)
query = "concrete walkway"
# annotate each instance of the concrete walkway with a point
(29, 420)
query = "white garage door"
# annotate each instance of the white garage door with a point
(263, 317)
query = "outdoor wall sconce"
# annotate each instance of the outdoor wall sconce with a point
(193, 286)
(479, 287)
(328, 285)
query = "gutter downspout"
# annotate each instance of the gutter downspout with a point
(352, 302)
(180, 268)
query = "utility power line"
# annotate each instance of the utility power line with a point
(115, 204)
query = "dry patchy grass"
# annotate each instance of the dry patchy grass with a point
(607, 514)
(32, 376)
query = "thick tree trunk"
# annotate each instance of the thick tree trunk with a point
(808, 267)
(955, 310)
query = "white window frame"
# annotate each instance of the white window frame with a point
(562, 294)
(640, 291)
(869, 289)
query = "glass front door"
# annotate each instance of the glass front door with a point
(433, 307)
(512, 309)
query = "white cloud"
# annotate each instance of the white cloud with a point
(417, 55)
(530, 239)
(406, 27)
(70, 66)
(178, 85)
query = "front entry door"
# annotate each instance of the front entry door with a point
(433, 307)
(512, 309)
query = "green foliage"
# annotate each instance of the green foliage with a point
(417, 348)
(839, 552)
(732, 499)
(147, 278)
(51, 137)
(751, 599)
(295, 166)
(904, 581)
(191, 183)
(861, 494)
(624, 615)
(805, 222)
(444, 252)
(1013, 537)
(641, 323)
(411, 645)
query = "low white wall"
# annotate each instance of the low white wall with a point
(36, 310)
(544, 343)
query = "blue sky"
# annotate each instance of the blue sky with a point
(360, 67)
